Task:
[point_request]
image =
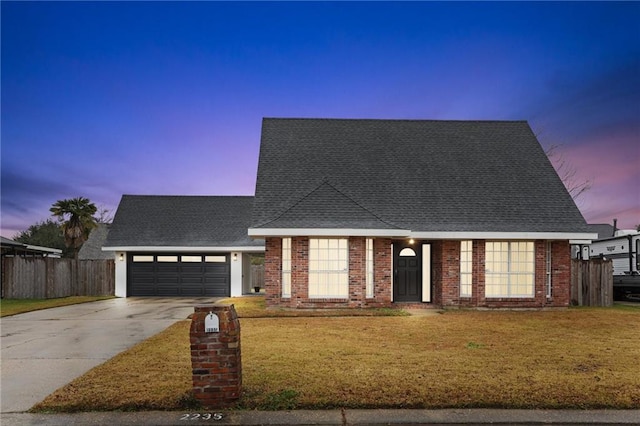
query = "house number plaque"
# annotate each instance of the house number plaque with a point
(211, 323)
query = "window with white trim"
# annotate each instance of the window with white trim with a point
(369, 267)
(510, 269)
(328, 268)
(548, 264)
(466, 267)
(286, 267)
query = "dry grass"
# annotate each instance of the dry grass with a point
(255, 307)
(19, 306)
(578, 358)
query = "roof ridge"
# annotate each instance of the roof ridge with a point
(186, 196)
(432, 120)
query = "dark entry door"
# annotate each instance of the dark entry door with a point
(407, 278)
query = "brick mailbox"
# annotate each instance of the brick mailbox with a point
(215, 355)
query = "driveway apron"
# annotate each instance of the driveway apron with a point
(44, 350)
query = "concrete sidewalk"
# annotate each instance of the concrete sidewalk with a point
(334, 417)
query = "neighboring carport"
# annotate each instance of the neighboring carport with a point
(184, 246)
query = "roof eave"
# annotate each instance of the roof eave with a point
(185, 249)
(573, 237)
(327, 232)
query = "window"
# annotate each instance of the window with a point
(407, 252)
(215, 259)
(548, 269)
(466, 268)
(167, 258)
(510, 267)
(142, 258)
(191, 259)
(328, 268)
(286, 267)
(369, 266)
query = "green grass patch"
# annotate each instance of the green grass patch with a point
(20, 306)
(575, 358)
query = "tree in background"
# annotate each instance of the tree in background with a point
(76, 220)
(568, 173)
(103, 215)
(46, 234)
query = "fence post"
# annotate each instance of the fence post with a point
(215, 355)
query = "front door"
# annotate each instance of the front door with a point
(407, 276)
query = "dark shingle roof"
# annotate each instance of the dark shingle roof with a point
(604, 230)
(92, 248)
(422, 175)
(182, 221)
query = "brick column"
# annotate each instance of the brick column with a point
(215, 357)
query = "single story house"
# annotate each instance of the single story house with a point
(182, 245)
(371, 213)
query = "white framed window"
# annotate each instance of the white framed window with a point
(407, 252)
(142, 258)
(466, 268)
(215, 259)
(510, 269)
(286, 267)
(191, 259)
(369, 267)
(328, 268)
(167, 258)
(548, 264)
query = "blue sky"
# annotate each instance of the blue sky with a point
(105, 98)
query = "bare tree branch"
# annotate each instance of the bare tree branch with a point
(567, 172)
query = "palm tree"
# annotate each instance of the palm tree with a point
(76, 217)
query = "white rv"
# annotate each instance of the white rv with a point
(622, 249)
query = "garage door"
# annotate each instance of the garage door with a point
(184, 274)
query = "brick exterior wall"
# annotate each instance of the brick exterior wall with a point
(300, 277)
(445, 276)
(273, 271)
(382, 270)
(560, 274)
(216, 361)
(560, 279)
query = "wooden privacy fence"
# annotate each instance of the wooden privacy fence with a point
(591, 282)
(257, 276)
(47, 278)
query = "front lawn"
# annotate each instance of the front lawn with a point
(20, 306)
(576, 358)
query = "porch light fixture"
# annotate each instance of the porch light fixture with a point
(121, 258)
(411, 241)
(235, 256)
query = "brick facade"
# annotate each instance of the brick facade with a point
(560, 279)
(445, 274)
(215, 357)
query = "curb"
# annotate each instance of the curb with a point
(332, 417)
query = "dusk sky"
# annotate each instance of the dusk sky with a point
(101, 99)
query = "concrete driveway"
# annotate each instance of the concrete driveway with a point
(44, 350)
